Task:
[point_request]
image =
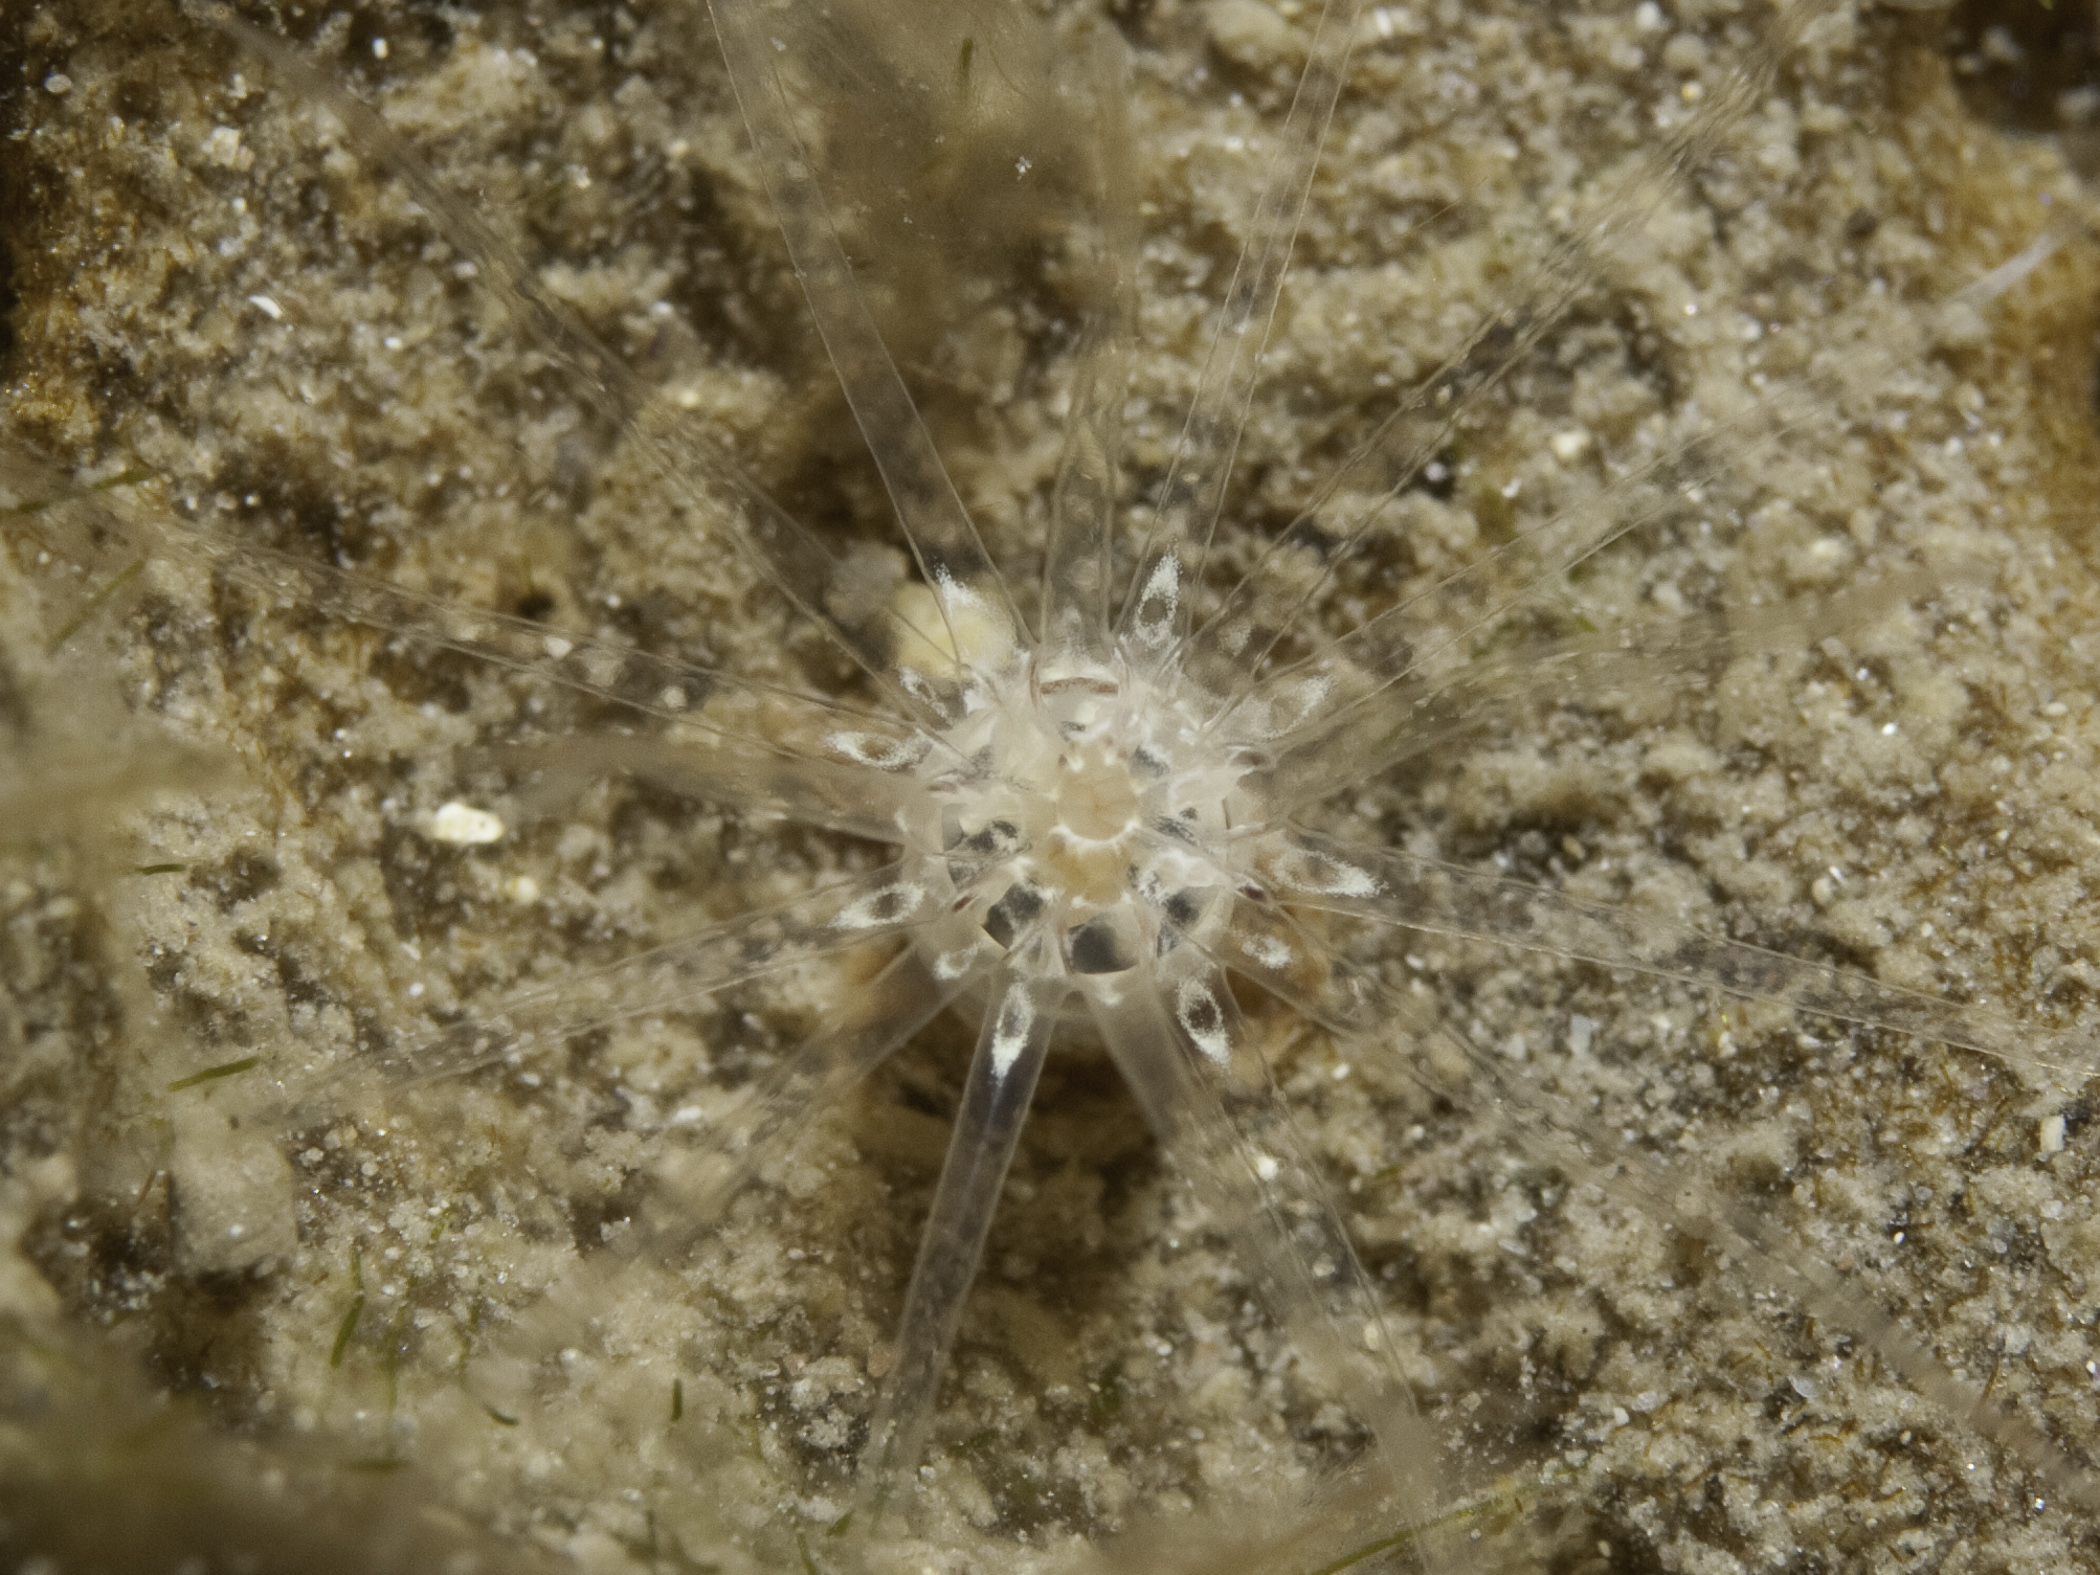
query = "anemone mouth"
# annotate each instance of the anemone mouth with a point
(1095, 796)
(1094, 806)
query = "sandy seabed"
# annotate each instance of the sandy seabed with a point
(323, 1340)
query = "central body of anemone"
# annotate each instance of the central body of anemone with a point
(1088, 800)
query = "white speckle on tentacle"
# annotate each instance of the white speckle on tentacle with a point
(953, 965)
(1010, 1036)
(1323, 876)
(1163, 590)
(1198, 1013)
(887, 906)
(872, 749)
(1269, 952)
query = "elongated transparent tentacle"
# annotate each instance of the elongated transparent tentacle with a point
(758, 782)
(969, 589)
(692, 1184)
(1264, 604)
(1026, 994)
(1235, 1083)
(871, 907)
(1156, 611)
(1316, 710)
(1241, 1087)
(1561, 1132)
(1393, 887)
(1179, 1042)
(1356, 1527)
(1419, 716)
(676, 690)
(1079, 558)
(696, 1182)
(771, 749)
(676, 445)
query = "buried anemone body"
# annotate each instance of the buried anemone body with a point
(1862, 738)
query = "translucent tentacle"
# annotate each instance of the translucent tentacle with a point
(694, 1184)
(1420, 716)
(869, 907)
(676, 445)
(768, 750)
(971, 593)
(1241, 1094)
(751, 781)
(1022, 1009)
(771, 749)
(1316, 709)
(1079, 558)
(1561, 1132)
(1156, 612)
(1265, 604)
(677, 691)
(1393, 887)
(1179, 1042)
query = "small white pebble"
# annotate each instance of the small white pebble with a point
(2049, 1138)
(463, 824)
(58, 84)
(268, 307)
(1570, 445)
(223, 146)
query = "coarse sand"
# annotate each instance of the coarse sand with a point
(256, 1306)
